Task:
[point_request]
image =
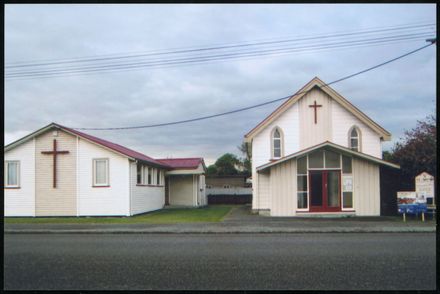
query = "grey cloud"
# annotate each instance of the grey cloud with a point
(395, 96)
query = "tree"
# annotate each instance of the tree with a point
(246, 163)
(211, 170)
(227, 164)
(416, 153)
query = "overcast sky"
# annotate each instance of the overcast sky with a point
(395, 96)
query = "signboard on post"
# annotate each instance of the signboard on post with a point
(410, 203)
(425, 187)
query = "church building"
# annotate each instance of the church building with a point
(317, 154)
(58, 171)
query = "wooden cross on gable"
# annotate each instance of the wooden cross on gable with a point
(315, 106)
(54, 152)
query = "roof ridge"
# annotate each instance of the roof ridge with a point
(179, 158)
(101, 141)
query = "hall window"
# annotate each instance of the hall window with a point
(150, 174)
(12, 174)
(145, 175)
(158, 173)
(277, 143)
(302, 191)
(354, 139)
(100, 172)
(139, 172)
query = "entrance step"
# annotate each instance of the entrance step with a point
(327, 215)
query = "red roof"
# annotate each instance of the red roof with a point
(182, 163)
(117, 147)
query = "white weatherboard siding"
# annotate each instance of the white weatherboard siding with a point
(144, 198)
(113, 200)
(283, 189)
(21, 202)
(262, 201)
(60, 201)
(312, 133)
(366, 187)
(343, 120)
(182, 190)
(288, 122)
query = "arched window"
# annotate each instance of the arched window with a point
(354, 139)
(277, 143)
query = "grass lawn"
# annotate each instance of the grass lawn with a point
(214, 213)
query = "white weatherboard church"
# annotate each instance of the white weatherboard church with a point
(317, 154)
(58, 171)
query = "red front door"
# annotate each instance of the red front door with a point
(325, 190)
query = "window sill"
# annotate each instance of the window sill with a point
(103, 186)
(12, 187)
(143, 185)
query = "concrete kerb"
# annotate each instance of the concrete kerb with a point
(232, 231)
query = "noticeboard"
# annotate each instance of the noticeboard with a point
(411, 202)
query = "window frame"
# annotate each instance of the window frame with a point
(350, 175)
(272, 143)
(6, 177)
(158, 177)
(139, 181)
(149, 176)
(144, 174)
(107, 172)
(358, 138)
(307, 180)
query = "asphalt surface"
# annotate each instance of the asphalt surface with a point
(220, 261)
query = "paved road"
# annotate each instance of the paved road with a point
(234, 261)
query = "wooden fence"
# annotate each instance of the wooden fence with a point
(230, 199)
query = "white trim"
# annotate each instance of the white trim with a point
(130, 188)
(272, 142)
(77, 176)
(7, 162)
(352, 191)
(307, 177)
(35, 180)
(329, 144)
(358, 138)
(107, 174)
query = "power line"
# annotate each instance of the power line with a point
(261, 104)
(198, 62)
(399, 26)
(233, 55)
(386, 38)
(221, 47)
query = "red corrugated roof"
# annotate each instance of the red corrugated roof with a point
(182, 163)
(116, 147)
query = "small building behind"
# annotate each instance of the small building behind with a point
(185, 183)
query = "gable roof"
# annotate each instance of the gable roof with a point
(316, 82)
(183, 163)
(107, 144)
(333, 146)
